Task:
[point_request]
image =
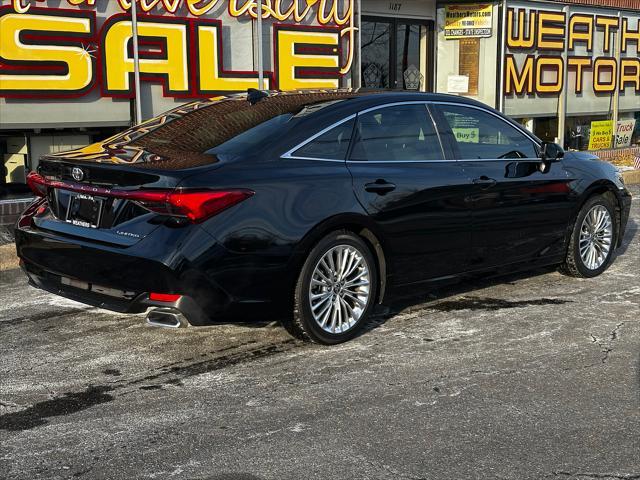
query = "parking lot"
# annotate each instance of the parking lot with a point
(525, 377)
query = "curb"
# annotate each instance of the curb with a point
(631, 177)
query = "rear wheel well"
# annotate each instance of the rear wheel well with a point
(370, 239)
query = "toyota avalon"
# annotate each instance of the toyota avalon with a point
(311, 205)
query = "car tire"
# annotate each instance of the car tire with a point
(335, 291)
(595, 228)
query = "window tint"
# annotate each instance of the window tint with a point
(401, 132)
(482, 135)
(332, 145)
(254, 138)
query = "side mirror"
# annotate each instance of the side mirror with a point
(551, 152)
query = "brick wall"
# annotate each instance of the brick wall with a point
(10, 210)
(610, 154)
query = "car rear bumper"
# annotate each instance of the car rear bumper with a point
(110, 278)
(115, 300)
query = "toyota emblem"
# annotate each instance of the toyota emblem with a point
(77, 174)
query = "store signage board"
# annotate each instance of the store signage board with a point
(535, 63)
(601, 135)
(624, 132)
(78, 47)
(469, 63)
(468, 20)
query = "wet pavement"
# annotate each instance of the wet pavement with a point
(523, 377)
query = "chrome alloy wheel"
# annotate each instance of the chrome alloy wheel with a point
(339, 290)
(596, 236)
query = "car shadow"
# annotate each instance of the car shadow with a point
(630, 233)
(423, 296)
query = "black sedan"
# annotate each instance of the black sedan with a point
(312, 206)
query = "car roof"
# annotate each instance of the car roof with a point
(179, 138)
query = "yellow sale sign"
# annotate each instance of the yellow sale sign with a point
(601, 135)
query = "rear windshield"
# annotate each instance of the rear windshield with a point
(198, 133)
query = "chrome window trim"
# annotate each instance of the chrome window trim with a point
(290, 153)
(437, 130)
(499, 160)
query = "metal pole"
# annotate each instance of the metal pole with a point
(616, 95)
(503, 53)
(136, 62)
(564, 94)
(357, 46)
(259, 33)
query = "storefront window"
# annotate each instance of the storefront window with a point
(588, 69)
(468, 44)
(14, 165)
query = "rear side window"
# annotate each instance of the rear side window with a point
(331, 145)
(396, 133)
(480, 135)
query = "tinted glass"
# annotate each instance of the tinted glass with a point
(332, 145)
(255, 138)
(482, 135)
(401, 133)
(374, 53)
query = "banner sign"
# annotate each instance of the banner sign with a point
(624, 132)
(601, 135)
(48, 52)
(468, 20)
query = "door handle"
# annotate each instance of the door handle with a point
(484, 182)
(380, 186)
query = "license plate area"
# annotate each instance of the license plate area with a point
(85, 210)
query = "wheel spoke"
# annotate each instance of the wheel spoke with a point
(351, 312)
(355, 298)
(347, 269)
(325, 315)
(334, 318)
(356, 282)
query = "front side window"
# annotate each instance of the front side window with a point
(396, 133)
(331, 145)
(480, 135)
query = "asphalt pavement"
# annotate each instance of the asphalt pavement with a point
(528, 376)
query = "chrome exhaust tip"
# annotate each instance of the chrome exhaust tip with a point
(166, 318)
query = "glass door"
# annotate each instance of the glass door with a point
(375, 53)
(396, 53)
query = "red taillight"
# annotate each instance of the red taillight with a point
(164, 297)
(37, 184)
(196, 205)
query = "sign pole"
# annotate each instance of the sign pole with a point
(136, 62)
(259, 46)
